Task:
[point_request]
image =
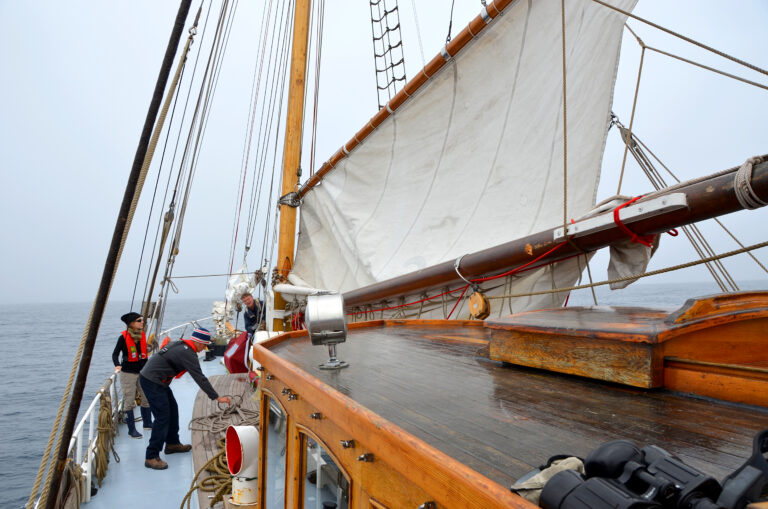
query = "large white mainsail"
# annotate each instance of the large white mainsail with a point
(475, 158)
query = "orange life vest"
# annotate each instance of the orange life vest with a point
(190, 344)
(133, 354)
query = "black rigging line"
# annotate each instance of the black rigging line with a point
(189, 175)
(176, 148)
(262, 139)
(154, 192)
(258, 67)
(318, 58)
(277, 47)
(274, 157)
(110, 265)
(275, 112)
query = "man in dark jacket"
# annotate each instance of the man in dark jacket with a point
(132, 345)
(171, 362)
(252, 313)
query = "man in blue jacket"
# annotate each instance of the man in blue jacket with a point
(168, 363)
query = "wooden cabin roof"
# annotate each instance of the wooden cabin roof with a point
(629, 323)
(503, 420)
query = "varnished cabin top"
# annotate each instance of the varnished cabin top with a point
(638, 324)
(503, 420)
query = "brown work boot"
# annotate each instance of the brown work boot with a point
(174, 448)
(155, 464)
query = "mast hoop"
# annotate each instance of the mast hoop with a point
(484, 14)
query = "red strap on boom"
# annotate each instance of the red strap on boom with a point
(646, 240)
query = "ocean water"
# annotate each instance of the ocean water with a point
(39, 342)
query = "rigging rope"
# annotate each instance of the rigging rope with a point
(708, 68)
(181, 172)
(418, 32)
(565, 123)
(637, 148)
(645, 274)
(634, 107)
(192, 32)
(450, 24)
(271, 108)
(199, 121)
(156, 136)
(130, 201)
(271, 203)
(318, 58)
(687, 39)
(244, 165)
(268, 137)
(255, 94)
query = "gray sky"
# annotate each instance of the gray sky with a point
(78, 77)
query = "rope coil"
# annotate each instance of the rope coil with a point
(742, 185)
(219, 481)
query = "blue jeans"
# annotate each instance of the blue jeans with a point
(165, 428)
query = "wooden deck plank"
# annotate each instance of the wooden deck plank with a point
(503, 420)
(204, 443)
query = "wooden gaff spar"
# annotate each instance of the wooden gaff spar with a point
(707, 198)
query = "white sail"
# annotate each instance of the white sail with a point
(475, 158)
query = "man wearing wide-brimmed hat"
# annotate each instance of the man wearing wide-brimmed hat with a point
(132, 345)
(171, 362)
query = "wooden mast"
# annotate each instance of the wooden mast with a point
(292, 148)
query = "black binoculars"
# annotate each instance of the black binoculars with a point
(619, 475)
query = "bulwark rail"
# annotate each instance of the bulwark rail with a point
(84, 452)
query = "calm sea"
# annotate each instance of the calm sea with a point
(39, 342)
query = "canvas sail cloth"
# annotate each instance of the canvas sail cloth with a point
(475, 158)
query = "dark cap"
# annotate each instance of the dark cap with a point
(128, 318)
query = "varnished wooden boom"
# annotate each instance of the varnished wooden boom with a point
(707, 198)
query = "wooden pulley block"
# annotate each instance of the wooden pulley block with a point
(479, 307)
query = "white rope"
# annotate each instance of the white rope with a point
(742, 185)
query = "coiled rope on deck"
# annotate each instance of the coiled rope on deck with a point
(231, 415)
(105, 438)
(219, 481)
